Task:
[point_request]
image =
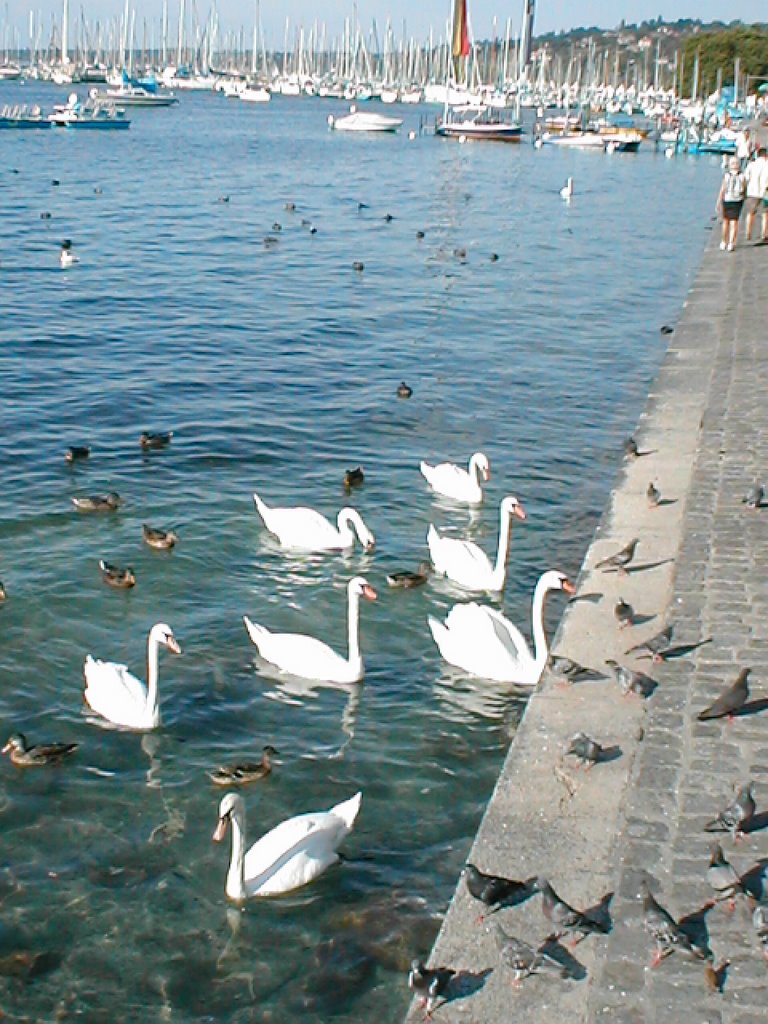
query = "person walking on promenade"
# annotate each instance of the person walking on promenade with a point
(730, 200)
(744, 146)
(756, 174)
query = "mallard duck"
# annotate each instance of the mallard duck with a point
(24, 756)
(403, 391)
(406, 579)
(353, 477)
(98, 502)
(76, 452)
(243, 772)
(117, 577)
(160, 440)
(162, 539)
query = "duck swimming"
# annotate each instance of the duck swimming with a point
(163, 540)
(403, 391)
(3, 594)
(160, 440)
(75, 452)
(244, 772)
(98, 502)
(353, 477)
(407, 580)
(66, 257)
(117, 577)
(25, 756)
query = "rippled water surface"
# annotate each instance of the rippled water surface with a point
(277, 367)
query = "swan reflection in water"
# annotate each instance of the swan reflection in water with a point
(464, 698)
(294, 690)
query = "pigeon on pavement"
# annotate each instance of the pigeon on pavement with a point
(653, 647)
(625, 613)
(653, 494)
(429, 982)
(620, 560)
(730, 701)
(566, 668)
(754, 497)
(564, 917)
(723, 877)
(495, 891)
(632, 682)
(760, 924)
(736, 815)
(665, 930)
(521, 958)
(587, 751)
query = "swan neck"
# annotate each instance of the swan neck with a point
(353, 626)
(236, 873)
(349, 524)
(152, 671)
(474, 469)
(505, 538)
(540, 647)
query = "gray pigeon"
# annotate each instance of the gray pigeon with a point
(760, 924)
(564, 917)
(586, 750)
(495, 891)
(566, 668)
(723, 877)
(754, 497)
(736, 815)
(665, 930)
(632, 682)
(653, 494)
(620, 560)
(730, 701)
(429, 982)
(521, 958)
(653, 647)
(625, 613)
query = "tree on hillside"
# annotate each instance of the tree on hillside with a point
(719, 50)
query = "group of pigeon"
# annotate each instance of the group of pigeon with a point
(521, 959)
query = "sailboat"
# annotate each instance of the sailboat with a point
(473, 121)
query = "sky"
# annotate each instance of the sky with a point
(551, 15)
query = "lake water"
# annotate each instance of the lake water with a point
(277, 368)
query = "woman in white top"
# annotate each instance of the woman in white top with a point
(756, 173)
(730, 200)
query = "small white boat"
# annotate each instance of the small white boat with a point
(477, 122)
(136, 96)
(255, 94)
(90, 115)
(364, 121)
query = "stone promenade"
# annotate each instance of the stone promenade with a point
(702, 566)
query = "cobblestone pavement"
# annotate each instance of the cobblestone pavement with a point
(701, 565)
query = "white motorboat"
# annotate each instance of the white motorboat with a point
(255, 94)
(364, 121)
(136, 96)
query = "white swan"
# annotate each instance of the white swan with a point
(484, 643)
(455, 482)
(308, 530)
(112, 692)
(468, 565)
(294, 853)
(566, 192)
(310, 658)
